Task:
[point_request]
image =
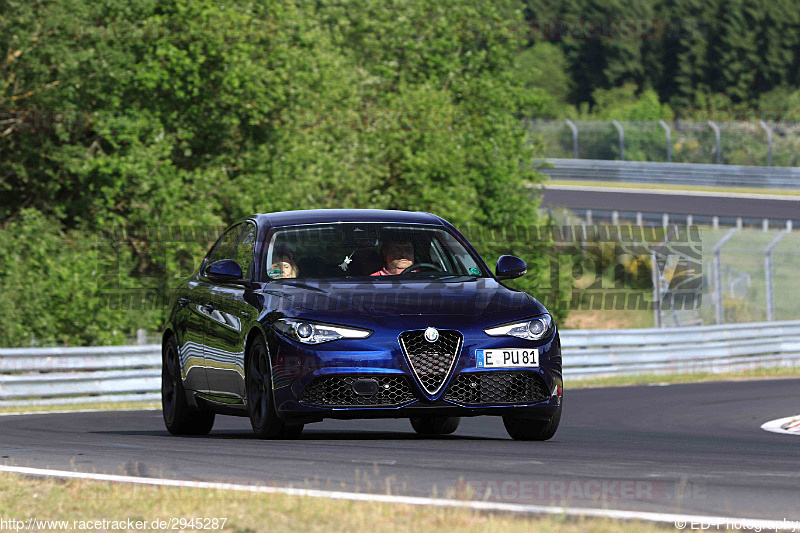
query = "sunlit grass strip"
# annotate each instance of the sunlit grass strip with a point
(102, 406)
(76, 499)
(674, 187)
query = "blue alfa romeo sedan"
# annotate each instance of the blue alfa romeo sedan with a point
(299, 316)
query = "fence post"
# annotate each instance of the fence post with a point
(574, 129)
(655, 273)
(669, 139)
(719, 143)
(769, 140)
(718, 273)
(621, 134)
(768, 270)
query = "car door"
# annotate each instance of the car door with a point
(225, 335)
(191, 325)
(192, 314)
(202, 300)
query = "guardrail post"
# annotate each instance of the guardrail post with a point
(621, 134)
(769, 140)
(768, 269)
(656, 275)
(718, 273)
(669, 139)
(574, 129)
(717, 138)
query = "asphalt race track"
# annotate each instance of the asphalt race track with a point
(677, 203)
(693, 448)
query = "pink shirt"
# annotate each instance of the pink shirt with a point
(381, 272)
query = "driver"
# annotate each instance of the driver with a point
(397, 256)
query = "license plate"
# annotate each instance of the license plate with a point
(507, 358)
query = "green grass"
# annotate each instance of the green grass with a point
(673, 187)
(54, 499)
(105, 406)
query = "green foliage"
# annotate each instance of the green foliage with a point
(688, 50)
(190, 112)
(51, 284)
(622, 103)
(542, 68)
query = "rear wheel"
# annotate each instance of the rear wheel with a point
(435, 425)
(522, 429)
(260, 402)
(179, 417)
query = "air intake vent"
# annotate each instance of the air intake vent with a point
(339, 391)
(431, 362)
(497, 387)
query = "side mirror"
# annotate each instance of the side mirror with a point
(224, 270)
(510, 267)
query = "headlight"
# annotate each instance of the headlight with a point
(315, 332)
(531, 330)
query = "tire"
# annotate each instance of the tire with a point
(435, 425)
(260, 401)
(179, 417)
(522, 429)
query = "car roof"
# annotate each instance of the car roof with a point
(321, 216)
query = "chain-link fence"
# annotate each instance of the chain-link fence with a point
(679, 141)
(744, 279)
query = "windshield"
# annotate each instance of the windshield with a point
(349, 250)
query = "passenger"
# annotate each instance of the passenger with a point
(397, 256)
(283, 264)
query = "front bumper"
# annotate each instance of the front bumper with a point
(296, 367)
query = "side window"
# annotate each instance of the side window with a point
(225, 245)
(244, 250)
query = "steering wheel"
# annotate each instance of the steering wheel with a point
(429, 266)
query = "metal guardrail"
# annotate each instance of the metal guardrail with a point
(595, 353)
(31, 376)
(675, 173)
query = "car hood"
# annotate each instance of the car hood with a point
(382, 298)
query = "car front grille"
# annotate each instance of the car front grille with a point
(337, 391)
(431, 362)
(495, 387)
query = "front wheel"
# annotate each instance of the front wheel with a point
(522, 429)
(435, 425)
(179, 417)
(260, 402)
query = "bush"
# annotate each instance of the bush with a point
(52, 283)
